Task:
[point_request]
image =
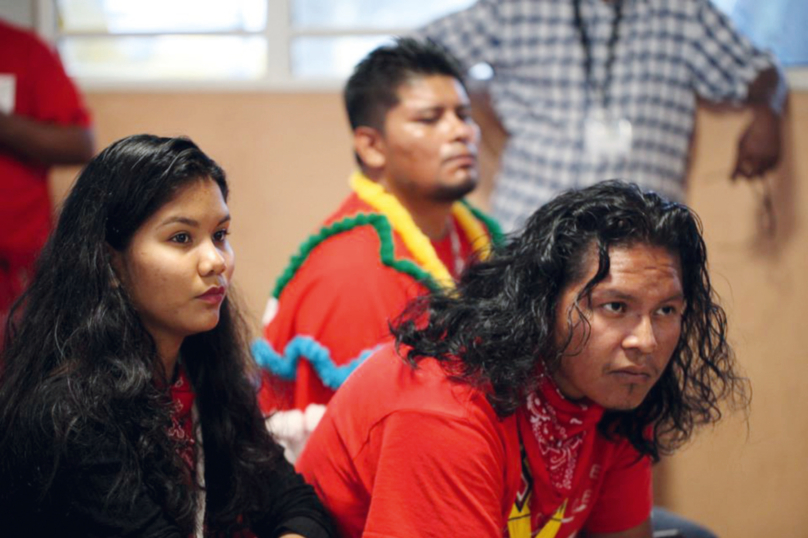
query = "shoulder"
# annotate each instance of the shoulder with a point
(19, 36)
(387, 406)
(345, 263)
(387, 384)
(25, 44)
(43, 462)
(45, 420)
(353, 245)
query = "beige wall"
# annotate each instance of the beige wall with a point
(755, 482)
(288, 157)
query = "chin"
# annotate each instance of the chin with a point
(455, 191)
(624, 404)
(207, 325)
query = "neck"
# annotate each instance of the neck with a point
(433, 221)
(168, 349)
(431, 217)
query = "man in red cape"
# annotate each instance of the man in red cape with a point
(403, 230)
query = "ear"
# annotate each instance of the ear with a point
(370, 147)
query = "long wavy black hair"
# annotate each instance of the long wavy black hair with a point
(501, 319)
(79, 366)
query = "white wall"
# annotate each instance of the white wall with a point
(19, 12)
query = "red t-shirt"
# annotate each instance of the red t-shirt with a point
(344, 297)
(408, 452)
(42, 92)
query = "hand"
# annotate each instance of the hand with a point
(759, 146)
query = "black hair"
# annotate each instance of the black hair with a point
(501, 319)
(80, 371)
(372, 88)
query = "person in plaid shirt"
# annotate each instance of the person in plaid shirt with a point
(594, 89)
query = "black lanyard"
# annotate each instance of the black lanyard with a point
(586, 43)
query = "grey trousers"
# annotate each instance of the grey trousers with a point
(669, 525)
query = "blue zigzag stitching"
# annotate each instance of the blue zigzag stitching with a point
(285, 366)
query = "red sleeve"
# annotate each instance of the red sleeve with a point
(436, 476)
(56, 98)
(343, 297)
(626, 495)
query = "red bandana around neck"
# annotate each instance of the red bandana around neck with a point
(557, 434)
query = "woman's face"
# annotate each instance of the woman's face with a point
(178, 264)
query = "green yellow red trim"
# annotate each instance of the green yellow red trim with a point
(392, 216)
(414, 239)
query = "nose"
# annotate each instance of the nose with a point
(642, 337)
(465, 129)
(211, 260)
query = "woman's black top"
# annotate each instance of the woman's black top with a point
(77, 505)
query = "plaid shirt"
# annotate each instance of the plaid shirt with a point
(668, 53)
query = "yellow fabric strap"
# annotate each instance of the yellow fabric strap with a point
(414, 239)
(519, 522)
(551, 527)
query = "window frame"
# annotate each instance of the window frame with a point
(279, 34)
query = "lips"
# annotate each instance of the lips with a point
(467, 159)
(214, 295)
(637, 375)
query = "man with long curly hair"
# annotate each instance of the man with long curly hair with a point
(533, 399)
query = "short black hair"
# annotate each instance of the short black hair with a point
(371, 90)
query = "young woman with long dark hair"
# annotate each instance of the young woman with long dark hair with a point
(127, 395)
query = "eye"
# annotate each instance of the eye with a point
(668, 310)
(429, 120)
(221, 235)
(181, 238)
(614, 307)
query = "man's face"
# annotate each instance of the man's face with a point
(430, 141)
(635, 315)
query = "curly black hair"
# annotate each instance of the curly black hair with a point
(79, 367)
(501, 319)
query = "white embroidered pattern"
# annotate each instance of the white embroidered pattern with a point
(559, 450)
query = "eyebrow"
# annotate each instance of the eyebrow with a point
(428, 109)
(440, 107)
(627, 297)
(190, 222)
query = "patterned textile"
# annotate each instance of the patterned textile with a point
(558, 426)
(182, 430)
(182, 424)
(668, 53)
(556, 435)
